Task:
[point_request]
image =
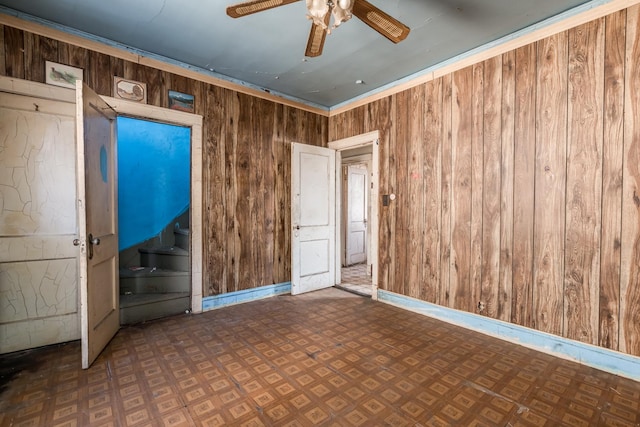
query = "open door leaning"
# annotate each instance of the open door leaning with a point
(97, 222)
(313, 217)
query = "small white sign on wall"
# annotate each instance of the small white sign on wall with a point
(62, 75)
(130, 90)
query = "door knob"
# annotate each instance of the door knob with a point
(76, 242)
(92, 241)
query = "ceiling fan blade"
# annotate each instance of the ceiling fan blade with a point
(380, 21)
(247, 8)
(316, 38)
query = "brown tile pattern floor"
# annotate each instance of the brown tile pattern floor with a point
(356, 279)
(320, 359)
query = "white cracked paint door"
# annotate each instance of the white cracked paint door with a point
(97, 222)
(38, 277)
(313, 194)
(356, 224)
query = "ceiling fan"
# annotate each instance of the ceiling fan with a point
(320, 12)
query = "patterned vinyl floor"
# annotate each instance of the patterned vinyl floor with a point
(328, 358)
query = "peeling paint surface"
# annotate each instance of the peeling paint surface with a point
(36, 289)
(38, 264)
(37, 173)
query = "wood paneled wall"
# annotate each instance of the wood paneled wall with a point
(246, 150)
(517, 183)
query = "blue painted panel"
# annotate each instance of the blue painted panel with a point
(596, 357)
(104, 166)
(154, 177)
(232, 298)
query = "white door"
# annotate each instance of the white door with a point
(38, 277)
(356, 224)
(313, 194)
(97, 222)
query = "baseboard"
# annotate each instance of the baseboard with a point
(597, 357)
(239, 297)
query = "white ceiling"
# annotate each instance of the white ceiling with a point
(266, 50)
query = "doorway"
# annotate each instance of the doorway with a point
(153, 219)
(357, 212)
(194, 123)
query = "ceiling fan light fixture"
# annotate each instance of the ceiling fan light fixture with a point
(318, 9)
(341, 12)
(339, 9)
(322, 11)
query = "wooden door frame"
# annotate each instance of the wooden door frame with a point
(363, 140)
(193, 121)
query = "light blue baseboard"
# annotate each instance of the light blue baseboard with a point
(597, 357)
(232, 298)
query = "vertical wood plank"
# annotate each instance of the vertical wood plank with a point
(117, 70)
(255, 214)
(630, 251)
(524, 185)
(232, 109)
(99, 76)
(14, 53)
(197, 89)
(381, 118)
(477, 191)
(445, 296)
(34, 68)
(432, 188)
(550, 179)
(74, 56)
(267, 190)
(38, 50)
(505, 285)
(322, 129)
(357, 120)
(415, 192)
(130, 70)
(492, 131)
(461, 161)
(179, 84)
(3, 52)
(256, 196)
(584, 181)
(393, 185)
(214, 174)
(372, 117)
(613, 153)
(337, 128)
(291, 134)
(287, 197)
(153, 78)
(244, 202)
(281, 195)
(403, 105)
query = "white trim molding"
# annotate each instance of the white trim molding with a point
(586, 354)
